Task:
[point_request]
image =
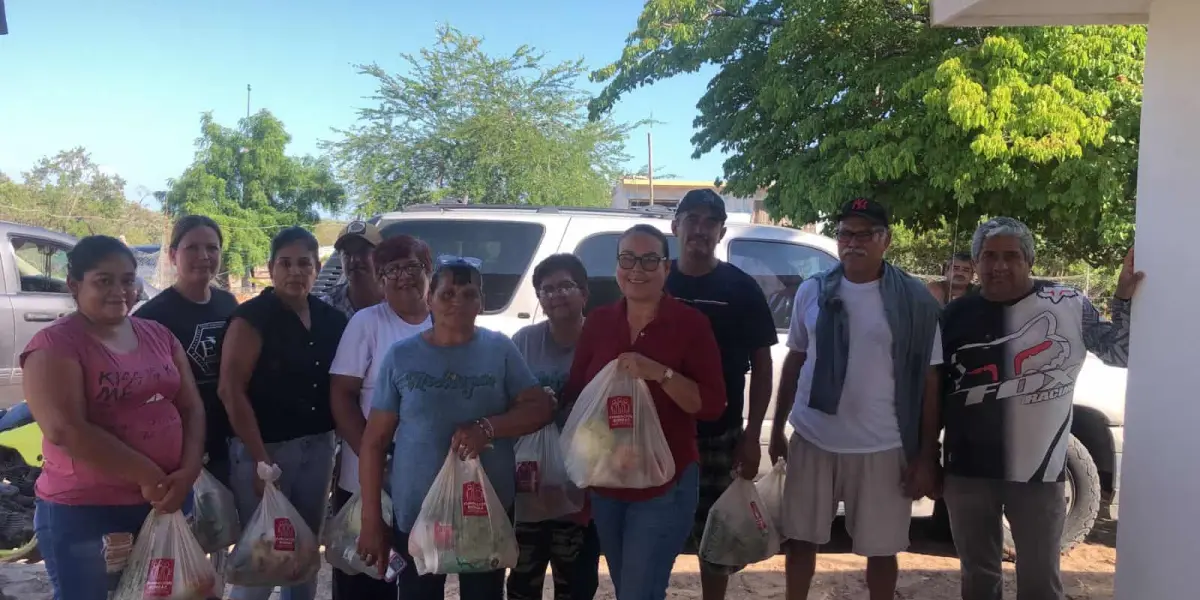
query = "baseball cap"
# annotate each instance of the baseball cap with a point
(865, 208)
(358, 229)
(702, 198)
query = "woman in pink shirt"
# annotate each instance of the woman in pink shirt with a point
(123, 423)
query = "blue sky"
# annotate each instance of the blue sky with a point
(128, 80)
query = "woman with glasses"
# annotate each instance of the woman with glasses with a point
(670, 346)
(274, 384)
(402, 265)
(568, 544)
(454, 388)
(122, 419)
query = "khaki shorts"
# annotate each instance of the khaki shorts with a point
(877, 510)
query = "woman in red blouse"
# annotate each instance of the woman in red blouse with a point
(671, 346)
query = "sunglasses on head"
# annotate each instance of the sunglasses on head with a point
(450, 260)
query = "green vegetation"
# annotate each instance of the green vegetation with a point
(461, 124)
(821, 101)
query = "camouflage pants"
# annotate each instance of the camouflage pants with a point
(571, 550)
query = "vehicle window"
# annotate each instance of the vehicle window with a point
(505, 247)
(599, 256)
(779, 267)
(42, 266)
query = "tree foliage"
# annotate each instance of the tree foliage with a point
(462, 124)
(68, 192)
(243, 179)
(821, 100)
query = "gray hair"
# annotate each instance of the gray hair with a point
(1003, 226)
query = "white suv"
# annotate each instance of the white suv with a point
(511, 240)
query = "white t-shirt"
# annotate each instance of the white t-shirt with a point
(866, 416)
(370, 334)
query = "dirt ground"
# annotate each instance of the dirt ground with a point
(929, 572)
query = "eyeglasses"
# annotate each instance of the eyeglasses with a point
(450, 260)
(649, 262)
(845, 235)
(413, 270)
(562, 289)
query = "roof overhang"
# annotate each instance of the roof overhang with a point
(1001, 13)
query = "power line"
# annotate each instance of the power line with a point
(43, 213)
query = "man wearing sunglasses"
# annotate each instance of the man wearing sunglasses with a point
(860, 388)
(745, 332)
(359, 287)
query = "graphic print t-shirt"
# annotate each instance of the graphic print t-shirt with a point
(131, 396)
(436, 389)
(742, 322)
(199, 329)
(367, 338)
(1010, 379)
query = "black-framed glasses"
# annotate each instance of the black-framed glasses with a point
(845, 235)
(413, 270)
(562, 288)
(649, 262)
(450, 260)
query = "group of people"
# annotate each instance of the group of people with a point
(391, 366)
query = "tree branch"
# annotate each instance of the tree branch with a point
(767, 21)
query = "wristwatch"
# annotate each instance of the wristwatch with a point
(667, 375)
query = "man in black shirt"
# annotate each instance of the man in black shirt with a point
(745, 331)
(1013, 352)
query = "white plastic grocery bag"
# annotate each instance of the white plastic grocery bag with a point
(770, 489)
(277, 546)
(167, 564)
(544, 491)
(341, 537)
(613, 437)
(737, 532)
(462, 526)
(215, 520)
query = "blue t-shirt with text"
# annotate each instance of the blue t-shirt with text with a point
(435, 390)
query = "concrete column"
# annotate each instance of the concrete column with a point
(1158, 537)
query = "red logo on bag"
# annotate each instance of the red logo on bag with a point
(160, 578)
(285, 535)
(620, 412)
(473, 502)
(528, 477)
(758, 518)
(443, 535)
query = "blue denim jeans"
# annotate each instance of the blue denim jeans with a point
(307, 468)
(640, 540)
(72, 542)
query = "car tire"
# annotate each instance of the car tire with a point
(1083, 499)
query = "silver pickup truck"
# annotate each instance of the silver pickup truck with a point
(33, 293)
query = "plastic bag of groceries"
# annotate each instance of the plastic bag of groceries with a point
(168, 563)
(613, 437)
(277, 548)
(738, 532)
(544, 491)
(341, 537)
(462, 527)
(215, 520)
(770, 489)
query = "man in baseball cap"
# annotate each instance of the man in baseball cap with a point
(359, 287)
(859, 386)
(742, 322)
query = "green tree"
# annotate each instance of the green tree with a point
(460, 123)
(822, 100)
(69, 192)
(243, 180)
